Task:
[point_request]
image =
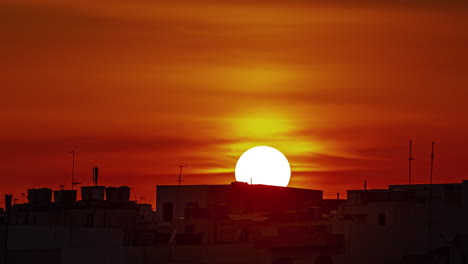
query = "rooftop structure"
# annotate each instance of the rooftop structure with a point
(175, 201)
(242, 223)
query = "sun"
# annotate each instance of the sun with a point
(263, 165)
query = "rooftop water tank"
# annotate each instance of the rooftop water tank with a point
(40, 196)
(65, 196)
(112, 194)
(92, 193)
(124, 194)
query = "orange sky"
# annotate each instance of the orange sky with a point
(141, 86)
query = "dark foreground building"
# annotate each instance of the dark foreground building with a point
(239, 223)
(67, 230)
(178, 201)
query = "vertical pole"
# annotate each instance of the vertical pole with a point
(180, 173)
(410, 159)
(177, 207)
(429, 228)
(432, 161)
(73, 169)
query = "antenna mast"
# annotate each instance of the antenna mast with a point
(432, 160)
(95, 176)
(429, 224)
(177, 207)
(180, 173)
(73, 182)
(410, 159)
(73, 169)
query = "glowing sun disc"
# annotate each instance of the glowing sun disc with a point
(263, 165)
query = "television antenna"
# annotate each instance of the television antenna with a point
(410, 159)
(181, 166)
(432, 160)
(73, 182)
(429, 224)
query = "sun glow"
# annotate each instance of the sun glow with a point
(263, 165)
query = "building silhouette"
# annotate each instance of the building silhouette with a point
(238, 223)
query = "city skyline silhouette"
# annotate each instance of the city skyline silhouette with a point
(122, 125)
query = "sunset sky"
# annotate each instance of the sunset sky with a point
(138, 87)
